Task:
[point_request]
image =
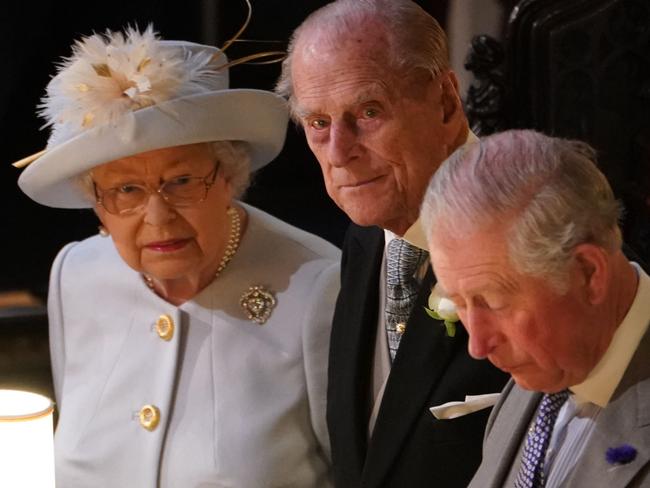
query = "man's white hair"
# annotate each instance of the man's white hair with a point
(416, 40)
(549, 189)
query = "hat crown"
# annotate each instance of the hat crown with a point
(108, 77)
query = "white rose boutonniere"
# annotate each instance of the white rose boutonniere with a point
(442, 308)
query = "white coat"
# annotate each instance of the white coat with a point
(238, 404)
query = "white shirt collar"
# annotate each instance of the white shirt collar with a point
(601, 383)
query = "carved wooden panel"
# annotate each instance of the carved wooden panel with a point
(578, 69)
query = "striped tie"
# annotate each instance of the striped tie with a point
(402, 261)
(531, 472)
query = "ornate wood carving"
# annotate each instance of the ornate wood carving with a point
(578, 69)
(485, 97)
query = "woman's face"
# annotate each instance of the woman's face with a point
(160, 240)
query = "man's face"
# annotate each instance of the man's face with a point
(377, 135)
(545, 340)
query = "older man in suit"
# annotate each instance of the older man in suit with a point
(369, 81)
(524, 238)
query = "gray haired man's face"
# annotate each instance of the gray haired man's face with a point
(545, 340)
(378, 137)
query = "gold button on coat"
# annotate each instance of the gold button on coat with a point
(149, 417)
(165, 327)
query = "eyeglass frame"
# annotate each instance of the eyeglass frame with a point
(208, 181)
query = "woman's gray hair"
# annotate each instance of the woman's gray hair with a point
(234, 159)
(416, 40)
(235, 164)
(549, 189)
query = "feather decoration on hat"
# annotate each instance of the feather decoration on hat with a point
(109, 76)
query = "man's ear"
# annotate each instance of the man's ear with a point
(451, 102)
(593, 268)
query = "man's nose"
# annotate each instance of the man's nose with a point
(157, 211)
(482, 336)
(342, 142)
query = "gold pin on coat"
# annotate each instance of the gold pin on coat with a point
(258, 303)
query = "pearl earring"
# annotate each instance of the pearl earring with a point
(103, 231)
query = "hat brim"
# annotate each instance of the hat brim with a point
(256, 117)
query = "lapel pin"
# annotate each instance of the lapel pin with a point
(622, 454)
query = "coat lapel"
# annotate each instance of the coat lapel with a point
(351, 352)
(505, 434)
(422, 358)
(626, 420)
(598, 472)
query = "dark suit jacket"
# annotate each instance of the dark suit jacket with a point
(409, 448)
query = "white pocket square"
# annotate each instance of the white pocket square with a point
(472, 403)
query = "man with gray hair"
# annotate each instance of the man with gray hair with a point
(370, 84)
(524, 239)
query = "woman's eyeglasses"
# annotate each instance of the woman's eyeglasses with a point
(129, 198)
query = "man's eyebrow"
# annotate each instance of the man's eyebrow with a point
(301, 112)
(375, 91)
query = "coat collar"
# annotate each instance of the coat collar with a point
(599, 386)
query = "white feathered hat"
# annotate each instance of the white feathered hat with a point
(120, 95)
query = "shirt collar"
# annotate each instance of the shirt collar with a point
(601, 383)
(415, 234)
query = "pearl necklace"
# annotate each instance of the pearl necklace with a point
(231, 247)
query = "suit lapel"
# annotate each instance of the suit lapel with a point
(421, 359)
(505, 434)
(351, 351)
(626, 420)
(597, 472)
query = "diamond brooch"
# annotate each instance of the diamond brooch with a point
(257, 302)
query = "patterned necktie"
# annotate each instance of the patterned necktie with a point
(531, 472)
(402, 261)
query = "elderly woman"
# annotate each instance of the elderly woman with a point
(189, 339)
